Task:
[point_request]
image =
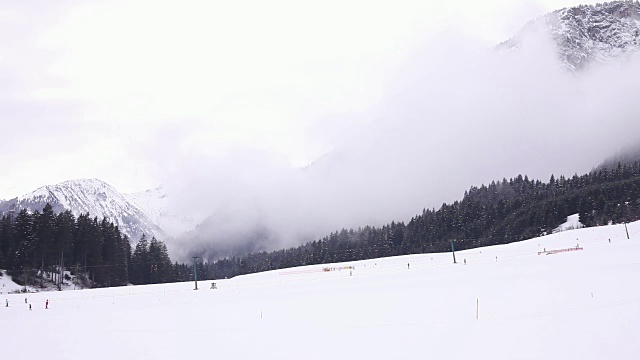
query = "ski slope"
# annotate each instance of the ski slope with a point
(507, 302)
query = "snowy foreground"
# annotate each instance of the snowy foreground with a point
(581, 304)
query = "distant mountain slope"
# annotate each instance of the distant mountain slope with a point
(155, 204)
(602, 33)
(93, 196)
(503, 212)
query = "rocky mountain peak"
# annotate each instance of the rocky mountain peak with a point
(94, 196)
(586, 34)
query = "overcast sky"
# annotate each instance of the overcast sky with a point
(397, 105)
(103, 88)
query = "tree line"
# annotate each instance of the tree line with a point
(37, 246)
(499, 213)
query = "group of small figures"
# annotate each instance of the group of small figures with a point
(46, 303)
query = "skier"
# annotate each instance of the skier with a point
(407, 265)
(7, 300)
(465, 261)
(29, 307)
(46, 304)
(25, 300)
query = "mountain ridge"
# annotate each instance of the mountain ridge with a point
(603, 33)
(94, 196)
(155, 203)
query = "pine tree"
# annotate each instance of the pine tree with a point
(7, 244)
(95, 262)
(108, 250)
(160, 263)
(63, 237)
(128, 253)
(44, 224)
(120, 258)
(139, 271)
(25, 241)
(81, 241)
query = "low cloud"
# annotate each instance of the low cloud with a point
(453, 114)
(380, 114)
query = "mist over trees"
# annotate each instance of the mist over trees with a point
(502, 212)
(39, 244)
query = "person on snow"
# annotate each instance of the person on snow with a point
(46, 304)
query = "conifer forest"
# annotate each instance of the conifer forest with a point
(41, 246)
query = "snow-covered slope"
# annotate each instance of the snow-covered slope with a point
(155, 203)
(507, 302)
(7, 286)
(602, 33)
(573, 222)
(93, 196)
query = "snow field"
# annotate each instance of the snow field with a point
(576, 305)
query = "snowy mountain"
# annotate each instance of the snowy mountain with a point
(155, 204)
(93, 196)
(602, 33)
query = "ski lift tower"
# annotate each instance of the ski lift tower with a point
(195, 271)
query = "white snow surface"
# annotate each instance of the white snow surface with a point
(7, 285)
(573, 222)
(581, 304)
